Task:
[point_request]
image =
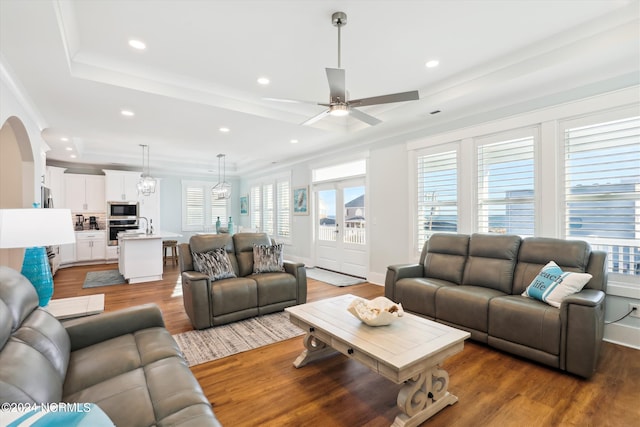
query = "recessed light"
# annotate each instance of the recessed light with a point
(432, 63)
(69, 149)
(137, 44)
(127, 113)
(64, 139)
(294, 141)
(263, 81)
(73, 156)
(224, 129)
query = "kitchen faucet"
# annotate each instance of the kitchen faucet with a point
(146, 223)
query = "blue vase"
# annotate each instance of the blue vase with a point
(230, 226)
(218, 226)
(35, 267)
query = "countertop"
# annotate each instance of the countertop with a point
(141, 235)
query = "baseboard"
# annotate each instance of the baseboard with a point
(376, 278)
(627, 336)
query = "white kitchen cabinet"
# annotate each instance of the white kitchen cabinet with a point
(84, 193)
(54, 179)
(91, 246)
(67, 253)
(121, 185)
(140, 258)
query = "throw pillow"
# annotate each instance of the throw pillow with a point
(552, 285)
(215, 264)
(267, 258)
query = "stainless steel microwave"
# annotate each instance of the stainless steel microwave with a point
(122, 210)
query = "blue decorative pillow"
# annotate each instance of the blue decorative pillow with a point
(215, 264)
(267, 258)
(552, 285)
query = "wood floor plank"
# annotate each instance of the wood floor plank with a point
(261, 387)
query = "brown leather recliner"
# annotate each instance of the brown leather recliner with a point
(209, 303)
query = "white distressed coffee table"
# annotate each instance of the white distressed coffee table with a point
(409, 351)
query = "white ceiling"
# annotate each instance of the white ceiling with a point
(72, 61)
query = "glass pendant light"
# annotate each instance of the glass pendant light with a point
(147, 183)
(222, 189)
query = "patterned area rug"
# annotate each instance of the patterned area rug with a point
(220, 341)
(95, 279)
(332, 278)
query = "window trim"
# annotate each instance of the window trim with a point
(208, 221)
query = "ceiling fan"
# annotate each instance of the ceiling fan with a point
(339, 104)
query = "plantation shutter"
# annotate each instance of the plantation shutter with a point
(267, 206)
(437, 186)
(506, 186)
(283, 202)
(256, 208)
(218, 210)
(602, 189)
(194, 207)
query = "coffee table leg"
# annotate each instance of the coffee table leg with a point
(423, 396)
(314, 350)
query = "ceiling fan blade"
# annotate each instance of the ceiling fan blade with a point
(316, 118)
(386, 99)
(337, 88)
(364, 117)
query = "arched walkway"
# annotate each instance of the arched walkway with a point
(16, 177)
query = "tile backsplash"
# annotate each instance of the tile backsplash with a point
(101, 219)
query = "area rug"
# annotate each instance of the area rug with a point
(221, 341)
(95, 279)
(332, 278)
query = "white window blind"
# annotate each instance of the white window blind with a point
(194, 206)
(506, 186)
(283, 201)
(437, 187)
(267, 209)
(602, 189)
(256, 208)
(200, 207)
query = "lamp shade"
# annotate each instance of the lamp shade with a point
(24, 228)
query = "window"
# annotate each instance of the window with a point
(506, 185)
(437, 194)
(271, 207)
(256, 208)
(602, 188)
(201, 208)
(283, 207)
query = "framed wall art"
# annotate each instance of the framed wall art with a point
(301, 201)
(244, 205)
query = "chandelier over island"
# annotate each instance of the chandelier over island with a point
(147, 183)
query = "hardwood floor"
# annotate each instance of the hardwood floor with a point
(261, 387)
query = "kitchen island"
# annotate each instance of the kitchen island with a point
(140, 257)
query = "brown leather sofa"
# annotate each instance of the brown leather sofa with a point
(475, 283)
(209, 303)
(124, 361)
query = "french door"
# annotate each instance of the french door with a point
(340, 227)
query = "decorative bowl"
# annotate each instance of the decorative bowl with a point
(379, 311)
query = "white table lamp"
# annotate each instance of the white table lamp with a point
(34, 229)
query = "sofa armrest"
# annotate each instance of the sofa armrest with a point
(196, 297)
(582, 317)
(397, 272)
(86, 331)
(587, 297)
(300, 273)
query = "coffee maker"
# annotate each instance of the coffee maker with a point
(79, 222)
(93, 223)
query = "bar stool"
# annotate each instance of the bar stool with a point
(172, 245)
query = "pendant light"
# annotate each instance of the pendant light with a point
(222, 189)
(147, 183)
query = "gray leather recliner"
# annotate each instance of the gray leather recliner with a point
(475, 283)
(210, 303)
(124, 361)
